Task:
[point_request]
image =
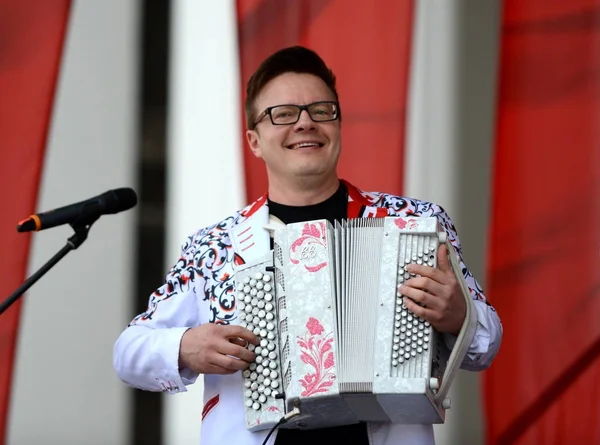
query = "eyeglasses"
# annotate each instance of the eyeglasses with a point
(290, 114)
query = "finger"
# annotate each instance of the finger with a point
(426, 271)
(232, 331)
(443, 260)
(425, 284)
(229, 363)
(239, 341)
(420, 296)
(236, 351)
(421, 312)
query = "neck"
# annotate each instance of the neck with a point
(302, 192)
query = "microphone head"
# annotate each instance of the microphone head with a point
(118, 200)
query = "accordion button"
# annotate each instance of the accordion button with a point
(425, 346)
(269, 316)
(252, 366)
(267, 391)
(252, 283)
(272, 355)
(246, 374)
(249, 403)
(260, 285)
(262, 324)
(274, 384)
(270, 326)
(394, 363)
(241, 305)
(274, 393)
(261, 379)
(247, 383)
(247, 299)
(270, 335)
(268, 297)
(262, 398)
(256, 320)
(261, 304)
(256, 406)
(263, 333)
(258, 350)
(246, 280)
(267, 287)
(419, 350)
(268, 307)
(273, 374)
(263, 343)
(273, 365)
(261, 313)
(264, 352)
(258, 276)
(267, 382)
(256, 331)
(248, 393)
(266, 278)
(271, 346)
(259, 359)
(395, 347)
(254, 386)
(254, 291)
(246, 289)
(260, 294)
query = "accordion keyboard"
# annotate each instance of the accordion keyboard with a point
(256, 305)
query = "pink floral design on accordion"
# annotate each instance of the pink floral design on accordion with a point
(306, 247)
(317, 352)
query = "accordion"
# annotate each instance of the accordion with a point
(337, 344)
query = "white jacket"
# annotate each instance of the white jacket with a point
(199, 288)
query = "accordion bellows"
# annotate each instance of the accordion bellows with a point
(336, 341)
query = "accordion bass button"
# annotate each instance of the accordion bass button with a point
(266, 278)
(447, 403)
(258, 276)
(434, 383)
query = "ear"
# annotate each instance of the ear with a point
(253, 139)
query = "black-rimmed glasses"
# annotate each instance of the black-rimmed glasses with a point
(288, 114)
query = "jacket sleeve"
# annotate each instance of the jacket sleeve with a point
(146, 354)
(488, 334)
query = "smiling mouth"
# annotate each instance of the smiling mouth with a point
(305, 145)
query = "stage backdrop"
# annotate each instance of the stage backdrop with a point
(31, 44)
(544, 269)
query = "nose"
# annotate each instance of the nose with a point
(304, 122)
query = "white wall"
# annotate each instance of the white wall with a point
(450, 141)
(205, 181)
(65, 389)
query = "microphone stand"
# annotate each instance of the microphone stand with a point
(81, 229)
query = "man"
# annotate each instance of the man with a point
(192, 327)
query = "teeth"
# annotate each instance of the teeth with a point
(306, 144)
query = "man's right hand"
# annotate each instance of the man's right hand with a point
(216, 349)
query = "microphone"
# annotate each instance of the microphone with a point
(84, 212)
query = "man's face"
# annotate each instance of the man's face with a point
(305, 150)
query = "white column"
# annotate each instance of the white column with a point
(205, 179)
(449, 146)
(65, 389)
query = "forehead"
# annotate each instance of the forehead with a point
(293, 88)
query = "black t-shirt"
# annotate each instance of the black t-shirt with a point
(333, 208)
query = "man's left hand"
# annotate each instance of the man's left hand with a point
(437, 290)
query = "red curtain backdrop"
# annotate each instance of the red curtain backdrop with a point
(544, 270)
(31, 42)
(368, 48)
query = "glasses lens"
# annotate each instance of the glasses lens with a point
(284, 114)
(323, 111)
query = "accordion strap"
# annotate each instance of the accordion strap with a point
(467, 331)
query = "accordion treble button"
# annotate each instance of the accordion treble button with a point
(256, 406)
(263, 333)
(249, 403)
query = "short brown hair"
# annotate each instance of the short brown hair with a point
(295, 59)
